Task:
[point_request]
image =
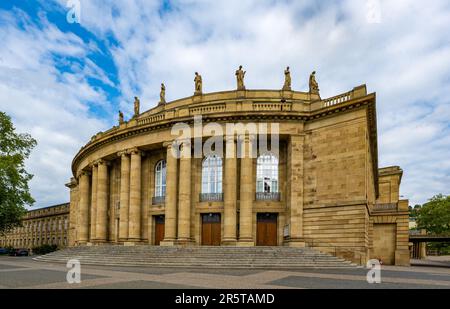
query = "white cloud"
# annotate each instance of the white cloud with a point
(46, 103)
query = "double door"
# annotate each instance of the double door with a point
(266, 234)
(211, 229)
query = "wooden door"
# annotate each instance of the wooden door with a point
(266, 234)
(211, 230)
(159, 229)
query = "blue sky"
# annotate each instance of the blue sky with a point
(64, 82)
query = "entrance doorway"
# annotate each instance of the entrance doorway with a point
(211, 230)
(266, 229)
(159, 229)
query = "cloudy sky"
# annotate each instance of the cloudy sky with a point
(63, 82)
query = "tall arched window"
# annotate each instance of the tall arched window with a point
(212, 175)
(267, 174)
(160, 179)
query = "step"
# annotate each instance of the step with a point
(199, 257)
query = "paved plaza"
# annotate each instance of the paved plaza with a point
(17, 273)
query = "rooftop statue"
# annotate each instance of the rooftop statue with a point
(198, 83)
(287, 80)
(121, 121)
(137, 106)
(162, 94)
(240, 75)
(313, 85)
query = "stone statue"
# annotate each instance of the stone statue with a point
(313, 85)
(162, 94)
(121, 121)
(198, 83)
(287, 80)
(240, 75)
(137, 106)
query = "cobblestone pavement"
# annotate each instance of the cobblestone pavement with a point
(29, 274)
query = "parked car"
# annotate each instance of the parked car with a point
(3, 251)
(19, 252)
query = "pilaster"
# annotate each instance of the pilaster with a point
(171, 197)
(230, 194)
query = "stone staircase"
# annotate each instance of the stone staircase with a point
(198, 257)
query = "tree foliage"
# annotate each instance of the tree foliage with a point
(14, 191)
(434, 216)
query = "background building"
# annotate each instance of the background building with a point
(42, 226)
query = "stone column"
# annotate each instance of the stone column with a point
(102, 202)
(124, 195)
(295, 189)
(134, 229)
(246, 192)
(83, 222)
(93, 208)
(230, 194)
(171, 197)
(184, 194)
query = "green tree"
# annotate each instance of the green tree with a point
(14, 191)
(434, 216)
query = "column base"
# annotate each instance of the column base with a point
(167, 243)
(97, 242)
(245, 243)
(229, 242)
(184, 242)
(131, 243)
(296, 243)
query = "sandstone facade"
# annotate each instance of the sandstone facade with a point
(329, 192)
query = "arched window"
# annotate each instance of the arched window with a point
(212, 175)
(160, 179)
(267, 174)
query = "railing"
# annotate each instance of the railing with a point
(158, 200)
(151, 119)
(211, 197)
(268, 196)
(385, 207)
(272, 107)
(337, 99)
(207, 109)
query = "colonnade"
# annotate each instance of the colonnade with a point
(93, 202)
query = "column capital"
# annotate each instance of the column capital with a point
(84, 173)
(168, 144)
(135, 151)
(103, 162)
(72, 184)
(230, 138)
(122, 153)
(246, 137)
